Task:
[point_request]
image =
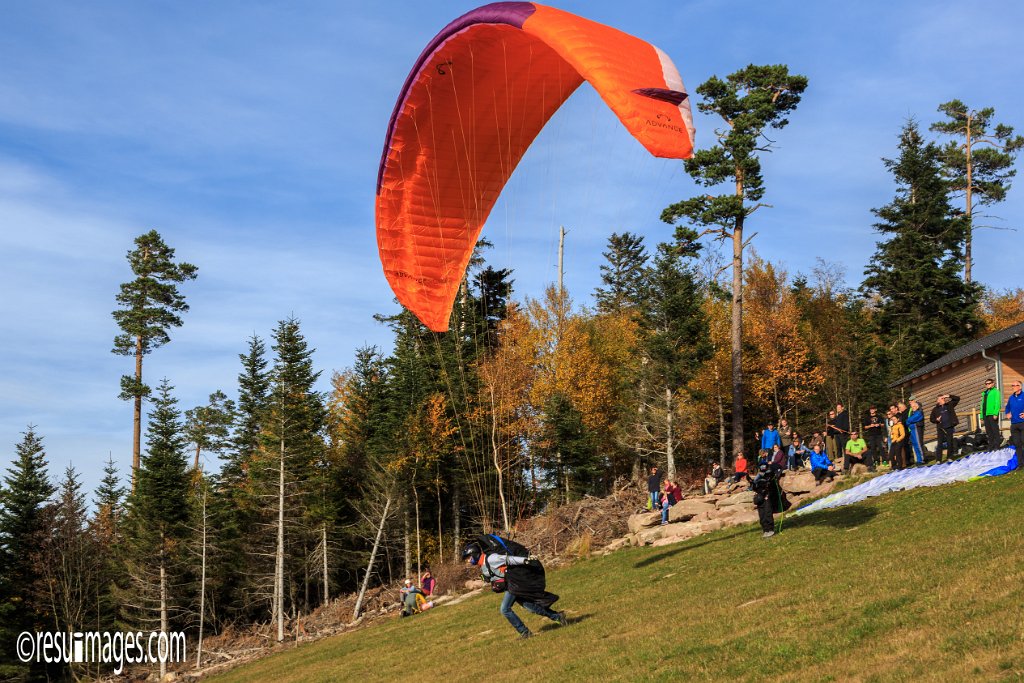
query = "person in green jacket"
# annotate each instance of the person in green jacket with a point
(989, 411)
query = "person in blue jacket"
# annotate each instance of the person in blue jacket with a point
(769, 438)
(1015, 411)
(821, 466)
(915, 425)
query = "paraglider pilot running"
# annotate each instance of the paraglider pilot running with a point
(510, 569)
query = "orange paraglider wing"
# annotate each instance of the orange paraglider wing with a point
(476, 98)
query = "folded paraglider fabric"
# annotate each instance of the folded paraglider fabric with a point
(988, 464)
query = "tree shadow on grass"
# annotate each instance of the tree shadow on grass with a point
(683, 546)
(846, 517)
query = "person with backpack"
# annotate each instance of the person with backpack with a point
(511, 569)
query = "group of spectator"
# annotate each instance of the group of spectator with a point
(415, 598)
(895, 438)
(663, 494)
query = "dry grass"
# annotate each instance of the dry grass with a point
(921, 585)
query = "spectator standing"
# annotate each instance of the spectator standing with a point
(1015, 413)
(830, 436)
(654, 487)
(874, 431)
(897, 439)
(989, 412)
(770, 437)
(945, 419)
(821, 465)
(667, 500)
(902, 411)
(842, 426)
(785, 434)
(797, 454)
(857, 451)
(915, 430)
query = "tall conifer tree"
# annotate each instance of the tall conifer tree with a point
(979, 161)
(148, 307)
(24, 527)
(924, 307)
(749, 102)
(622, 274)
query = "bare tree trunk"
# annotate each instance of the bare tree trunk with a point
(440, 537)
(373, 557)
(137, 414)
(279, 557)
(163, 600)
(456, 518)
(737, 332)
(202, 590)
(970, 193)
(323, 547)
(721, 430)
(419, 559)
(495, 454)
(405, 538)
(669, 434)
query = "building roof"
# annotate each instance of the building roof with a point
(966, 351)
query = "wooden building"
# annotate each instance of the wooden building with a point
(963, 372)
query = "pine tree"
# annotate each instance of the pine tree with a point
(107, 533)
(923, 307)
(71, 559)
(253, 388)
(675, 342)
(208, 427)
(979, 162)
(158, 519)
(293, 446)
(749, 102)
(622, 274)
(149, 307)
(23, 529)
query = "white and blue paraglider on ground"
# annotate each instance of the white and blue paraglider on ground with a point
(977, 465)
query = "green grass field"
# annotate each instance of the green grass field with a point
(919, 585)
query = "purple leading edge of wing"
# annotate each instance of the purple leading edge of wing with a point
(673, 96)
(511, 13)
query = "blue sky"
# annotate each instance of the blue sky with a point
(249, 134)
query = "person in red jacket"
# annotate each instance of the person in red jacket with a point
(740, 467)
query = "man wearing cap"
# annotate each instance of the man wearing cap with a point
(989, 412)
(1015, 411)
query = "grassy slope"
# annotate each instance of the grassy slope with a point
(925, 584)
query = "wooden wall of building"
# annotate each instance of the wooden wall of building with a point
(966, 379)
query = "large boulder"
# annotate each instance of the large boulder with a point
(643, 520)
(617, 544)
(858, 469)
(688, 509)
(741, 498)
(742, 517)
(801, 481)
